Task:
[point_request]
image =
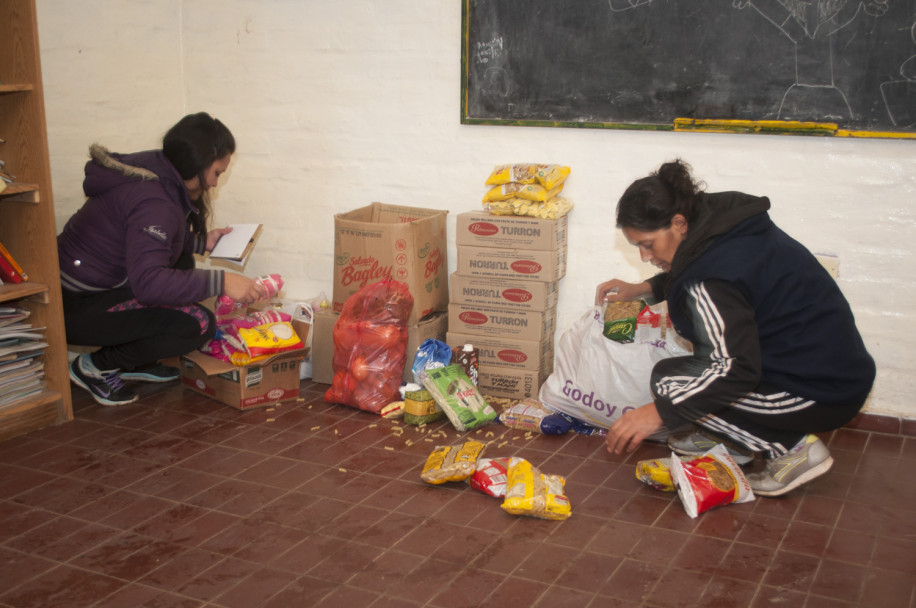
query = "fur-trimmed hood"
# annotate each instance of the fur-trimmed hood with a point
(107, 170)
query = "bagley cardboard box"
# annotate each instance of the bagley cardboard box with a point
(507, 294)
(490, 321)
(433, 327)
(530, 264)
(273, 380)
(482, 229)
(507, 353)
(408, 244)
(510, 383)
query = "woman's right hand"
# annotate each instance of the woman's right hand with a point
(616, 290)
(242, 289)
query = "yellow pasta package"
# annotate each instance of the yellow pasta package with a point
(529, 192)
(551, 176)
(524, 173)
(452, 463)
(552, 209)
(530, 492)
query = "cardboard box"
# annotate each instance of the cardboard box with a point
(508, 353)
(530, 264)
(435, 326)
(489, 321)
(408, 244)
(508, 294)
(273, 380)
(510, 383)
(482, 229)
(323, 345)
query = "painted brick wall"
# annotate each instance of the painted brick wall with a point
(338, 104)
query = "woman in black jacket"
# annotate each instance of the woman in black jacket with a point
(777, 355)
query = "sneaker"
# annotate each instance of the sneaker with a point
(808, 460)
(106, 386)
(155, 372)
(698, 443)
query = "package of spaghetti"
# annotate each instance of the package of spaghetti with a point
(530, 192)
(551, 176)
(711, 480)
(523, 173)
(530, 492)
(490, 476)
(457, 396)
(552, 209)
(452, 463)
(532, 415)
(656, 473)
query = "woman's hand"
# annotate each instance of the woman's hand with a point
(615, 290)
(242, 289)
(630, 429)
(214, 235)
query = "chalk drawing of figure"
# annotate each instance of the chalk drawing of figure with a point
(810, 25)
(898, 94)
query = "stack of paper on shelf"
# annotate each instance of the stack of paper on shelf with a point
(21, 350)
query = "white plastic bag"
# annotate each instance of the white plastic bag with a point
(596, 379)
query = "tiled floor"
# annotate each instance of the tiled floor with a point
(178, 501)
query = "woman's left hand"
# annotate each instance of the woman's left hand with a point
(630, 429)
(214, 235)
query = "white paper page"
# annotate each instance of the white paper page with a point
(233, 244)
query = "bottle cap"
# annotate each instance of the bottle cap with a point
(468, 348)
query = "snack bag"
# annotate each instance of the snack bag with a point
(551, 176)
(272, 284)
(430, 355)
(490, 477)
(452, 463)
(712, 480)
(451, 388)
(264, 341)
(524, 173)
(532, 415)
(529, 192)
(530, 492)
(551, 209)
(656, 473)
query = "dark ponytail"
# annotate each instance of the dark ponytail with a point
(192, 145)
(650, 203)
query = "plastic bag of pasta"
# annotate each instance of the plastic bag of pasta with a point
(712, 480)
(530, 492)
(452, 463)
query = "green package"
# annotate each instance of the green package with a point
(620, 320)
(454, 392)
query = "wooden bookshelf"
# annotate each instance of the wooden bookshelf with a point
(27, 226)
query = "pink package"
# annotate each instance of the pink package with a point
(225, 305)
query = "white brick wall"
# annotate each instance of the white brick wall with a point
(337, 104)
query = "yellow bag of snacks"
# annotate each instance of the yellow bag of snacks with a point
(551, 176)
(529, 192)
(530, 492)
(551, 209)
(656, 473)
(452, 463)
(264, 341)
(524, 173)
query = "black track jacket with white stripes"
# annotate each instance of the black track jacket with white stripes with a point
(759, 308)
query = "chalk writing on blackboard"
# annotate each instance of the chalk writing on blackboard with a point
(646, 63)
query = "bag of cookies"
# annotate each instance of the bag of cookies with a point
(711, 480)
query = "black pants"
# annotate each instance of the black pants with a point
(131, 338)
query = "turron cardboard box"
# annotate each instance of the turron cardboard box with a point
(500, 292)
(492, 321)
(529, 264)
(508, 353)
(273, 380)
(408, 244)
(482, 229)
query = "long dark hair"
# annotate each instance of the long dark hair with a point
(650, 202)
(192, 145)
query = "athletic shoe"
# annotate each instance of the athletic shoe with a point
(807, 460)
(105, 386)
(698, 443)
(155, 372)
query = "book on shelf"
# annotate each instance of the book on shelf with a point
(12, 263)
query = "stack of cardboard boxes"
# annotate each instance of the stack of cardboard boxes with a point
(503, 298)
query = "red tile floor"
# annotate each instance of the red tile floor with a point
(179, 501)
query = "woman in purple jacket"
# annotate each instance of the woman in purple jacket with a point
(127, 259)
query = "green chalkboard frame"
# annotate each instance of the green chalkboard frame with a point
(763, 125)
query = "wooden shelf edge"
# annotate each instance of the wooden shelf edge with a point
(31, 414)
(16, 88)
(15, 291)
(21, 193)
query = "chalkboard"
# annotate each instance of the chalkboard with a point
(670, 64)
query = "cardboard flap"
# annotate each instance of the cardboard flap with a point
(212, 366)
